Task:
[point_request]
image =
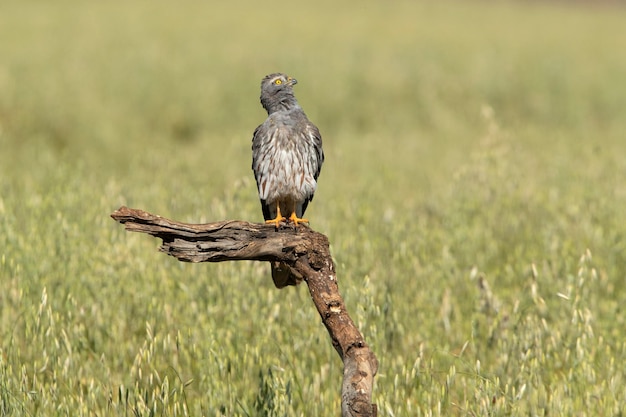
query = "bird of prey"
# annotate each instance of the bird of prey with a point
(287, 157)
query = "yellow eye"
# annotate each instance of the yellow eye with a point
(278, 82)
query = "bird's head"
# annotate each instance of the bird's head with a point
(277, 91)
(277, 81)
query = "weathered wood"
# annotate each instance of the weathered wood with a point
(305, 251)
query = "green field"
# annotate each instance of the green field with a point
(474, 194)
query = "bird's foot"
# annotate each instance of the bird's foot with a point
(276, 221)
(296, 220)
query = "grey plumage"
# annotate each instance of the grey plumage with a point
(287, 157)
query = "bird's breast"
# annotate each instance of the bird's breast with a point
(284, 166)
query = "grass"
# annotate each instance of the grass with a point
(473, 194)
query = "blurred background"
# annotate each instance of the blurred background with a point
(107, 88)
(473, 194)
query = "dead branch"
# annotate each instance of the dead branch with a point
(307, 254)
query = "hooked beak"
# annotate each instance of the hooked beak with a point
(292, 81)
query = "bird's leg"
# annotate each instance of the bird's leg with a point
(279, 218)
(295, 219)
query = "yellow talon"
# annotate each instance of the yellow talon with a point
(297, 220)
(276, 221)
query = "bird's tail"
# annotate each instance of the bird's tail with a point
(283, 275)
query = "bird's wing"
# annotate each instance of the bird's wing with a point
(260, 135)
(259, 158)
(316, 158)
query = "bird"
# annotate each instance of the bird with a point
(287, 158)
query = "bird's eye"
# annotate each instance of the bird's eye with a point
(278, 82)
